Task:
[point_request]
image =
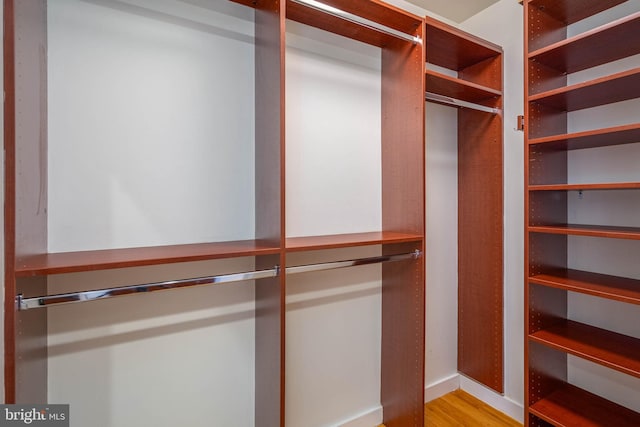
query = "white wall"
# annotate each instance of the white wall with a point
(333, 185)
(151, 142)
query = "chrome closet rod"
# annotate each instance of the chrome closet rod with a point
(84, 296)
(352, 263)
(358, 20)
(460, 103)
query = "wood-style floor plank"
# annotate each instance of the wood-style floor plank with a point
(460, 409)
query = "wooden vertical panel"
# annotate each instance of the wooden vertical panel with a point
(486, 73)
(403, 299)
(480, 247)
(25, 191)
(542, 29)
(402, 382)
(269, 160)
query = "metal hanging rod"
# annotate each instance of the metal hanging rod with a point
(459, 103)
(84, 296)
(352, 263)
(358, 20)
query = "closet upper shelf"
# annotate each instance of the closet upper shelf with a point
(613, 232)
(605, 90)
(570, 11)
(334, 241)
(373, 10)
(453, 87)
(579, 187)
(606, 348)
(452, 48)
(600, 285)
(572, 406)
(626, 134)
(595, 47)
(71, 262)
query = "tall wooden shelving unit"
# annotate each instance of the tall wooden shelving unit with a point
(27, 262)
(550, 54)
(477, 65)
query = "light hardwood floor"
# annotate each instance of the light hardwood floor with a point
(460, 409)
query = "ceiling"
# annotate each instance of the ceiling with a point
(455, 10)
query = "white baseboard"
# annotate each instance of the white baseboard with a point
(369, 418)
(441, 387)
(491, 398)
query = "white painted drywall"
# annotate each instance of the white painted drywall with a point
(150, 124)
(151, 142)
(333, 185)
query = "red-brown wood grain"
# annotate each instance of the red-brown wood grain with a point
(403, 198)
(570, 11)
(594, 47)
(605, 137)
(610, 349)
(444, 85)
(601, 91)
(571, 406)
(600, 285)
(334, 241)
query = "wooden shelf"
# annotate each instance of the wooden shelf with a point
(605, 90)
(571, 406)
(372, 10)
(627, 134)
(595, 47)
(578, 187)
(610, 349)
(72, 262)
(599, 285)
(308, 243)
(570, 11)
(452, 48)
(630, 233)
(453, 87)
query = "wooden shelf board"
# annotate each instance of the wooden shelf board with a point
(610, 349)
(605, 90)
(452, 48)
(599, 285)
(614, 232)
(372, 10)
(570, 11)
(453, 87)
(71, 262)
(335, 241)
(571, 406)
(575, 187)
(627, 134)
(610, 42)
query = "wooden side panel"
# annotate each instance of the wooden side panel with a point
(25, 190)
(486, 73)
(543, 29)
(269, 293)
(480, 247)
(403, 298)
